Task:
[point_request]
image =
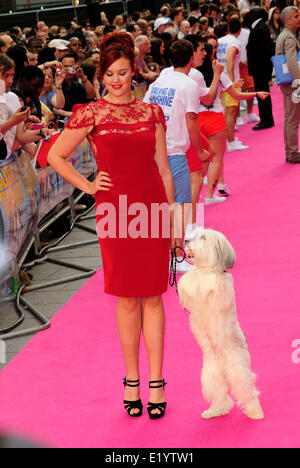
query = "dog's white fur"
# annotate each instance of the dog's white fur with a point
(207, 292)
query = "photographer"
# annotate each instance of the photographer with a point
(75, 92)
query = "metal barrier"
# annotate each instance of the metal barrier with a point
(30, 202)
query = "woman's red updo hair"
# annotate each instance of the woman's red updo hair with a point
(115, 46)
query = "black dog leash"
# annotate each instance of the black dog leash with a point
(173, 273)
(173, 268)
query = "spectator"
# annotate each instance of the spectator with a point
(288, 44)
(9, 42)
(29, 86)
(194, 23)
(275, 25)
(142, 43)
(75, 49)
(91, 70)
(35, 44)
(19, 56)
(61, 47)
(214, 11)
(134, 30)
(244, 5)
(266, 5)
(62, 32)
(119, 22)
(16, 32)
(204, 25)
(143, 25)
(160, 25)
(17, 134)
(213, 40)
(3, 47)
(259, 53)
(10, 115)
(157, 53)
(74, 91)
(165, 11)
(176, 17)
(184, 29)
(168, 40)
(195, 9)
(50, 97)
(42, 35)
(53, 31)
(32, 58)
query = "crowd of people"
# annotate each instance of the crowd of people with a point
(195, 67)
(46, 70)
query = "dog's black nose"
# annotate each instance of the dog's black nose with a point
(186, 243)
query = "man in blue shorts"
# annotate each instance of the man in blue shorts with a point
(179, 97)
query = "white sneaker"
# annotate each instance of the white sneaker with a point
(236, 146)
(215, 199)
(183, 267)
(252, 118)
(223, 190)
(205, 181)
(239, 121)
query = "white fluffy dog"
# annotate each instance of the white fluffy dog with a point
(207, 292)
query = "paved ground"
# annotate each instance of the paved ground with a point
(49, 301)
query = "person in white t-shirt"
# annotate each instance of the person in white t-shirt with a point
(212, 124)
(229, 51)
(207, 96)
(179, 96)
(248, 84)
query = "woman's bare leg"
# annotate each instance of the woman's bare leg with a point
(129, 322)
(154, 335)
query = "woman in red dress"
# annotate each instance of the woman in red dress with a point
(128, 140)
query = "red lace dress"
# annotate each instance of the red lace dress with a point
(134, 244)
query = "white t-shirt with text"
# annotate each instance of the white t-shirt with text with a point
(177, 94)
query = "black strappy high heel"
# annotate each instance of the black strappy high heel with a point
(130, 405)
(160, 406)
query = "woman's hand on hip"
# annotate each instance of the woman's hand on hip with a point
(102, 182)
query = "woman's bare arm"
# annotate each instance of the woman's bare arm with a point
(61, 150)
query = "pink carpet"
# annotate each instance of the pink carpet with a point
(65, 387)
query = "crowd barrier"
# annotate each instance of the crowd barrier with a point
(27, 195)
